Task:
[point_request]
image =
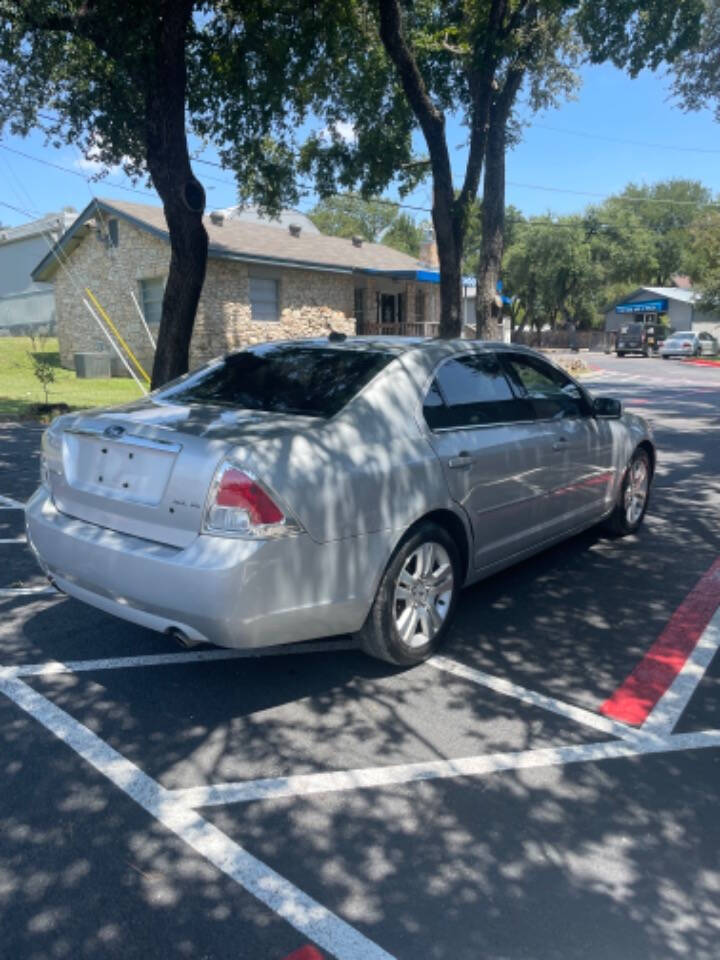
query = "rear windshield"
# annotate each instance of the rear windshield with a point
(679, 336)
(283, 378)
(632, 329)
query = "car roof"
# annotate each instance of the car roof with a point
(401, 345)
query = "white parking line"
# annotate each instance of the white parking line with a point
(286, 900)
(508, 689)
(169, 659)
(670, 707)
(373, 777)
(7, 503)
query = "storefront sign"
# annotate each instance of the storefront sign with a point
(643, 306)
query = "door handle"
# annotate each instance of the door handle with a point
(461, 462)
(560, 443)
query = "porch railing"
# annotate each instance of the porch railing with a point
(399, 330)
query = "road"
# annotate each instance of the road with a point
(480, 806)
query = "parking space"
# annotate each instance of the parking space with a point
(486, 804)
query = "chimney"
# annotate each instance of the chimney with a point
(429, 251)
(294, 229)
(217, 217)
(357, 241)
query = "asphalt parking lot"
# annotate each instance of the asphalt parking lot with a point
(494, 803)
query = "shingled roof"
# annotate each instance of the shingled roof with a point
(248, 242)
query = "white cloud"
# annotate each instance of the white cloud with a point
(92, 166)
(341, 130)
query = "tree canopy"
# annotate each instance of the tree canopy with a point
(697, 69)
(569, 269)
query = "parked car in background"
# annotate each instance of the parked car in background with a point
(690, 343)
(632, 338)
(307, 488)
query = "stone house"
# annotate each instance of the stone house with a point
(264, 282)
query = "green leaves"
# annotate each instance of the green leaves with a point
(375, 220)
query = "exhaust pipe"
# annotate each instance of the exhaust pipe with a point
(185, 642)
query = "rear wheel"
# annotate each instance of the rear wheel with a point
(632, 501)
(620, 353)
(416, 598)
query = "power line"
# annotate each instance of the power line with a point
(612, 196)
(31, 215)
(75, 173)
(634, 143)
(406, 206)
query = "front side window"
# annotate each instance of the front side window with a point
(553, 396)
(264, 298)
(152, 290)
(283, 378)
(472, 391)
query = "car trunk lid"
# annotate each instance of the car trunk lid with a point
(146, 470)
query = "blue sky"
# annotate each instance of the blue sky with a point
(562, 165)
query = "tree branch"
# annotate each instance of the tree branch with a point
(486, 59)
(86, 22)
(431, 120)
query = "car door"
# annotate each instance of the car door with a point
(493, 455)
(583, 472)
(707, 344)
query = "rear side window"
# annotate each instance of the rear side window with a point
(472, 391)
(553, 396)
(283, 378)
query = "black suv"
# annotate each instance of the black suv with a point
(640, 338)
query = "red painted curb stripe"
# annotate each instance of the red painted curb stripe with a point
(305, 953)
(705, 363)
(635, 698)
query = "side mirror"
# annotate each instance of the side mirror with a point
(607, 408)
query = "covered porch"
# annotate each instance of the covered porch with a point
(397, 303)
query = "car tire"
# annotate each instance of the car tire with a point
(620, 354)
(411, 614)
(632, 501)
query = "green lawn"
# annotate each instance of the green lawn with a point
(21, 394)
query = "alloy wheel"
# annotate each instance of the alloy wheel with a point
(423, 594)
(636, 491)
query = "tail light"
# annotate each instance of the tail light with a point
(240, 506)
(686, 343)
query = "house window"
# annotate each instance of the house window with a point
(419, 306)
(264, 298)
(152, 290)
(113, 237)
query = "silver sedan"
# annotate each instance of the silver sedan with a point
(689, 343)
(306, 488)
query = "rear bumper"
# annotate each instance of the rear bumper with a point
(235, 593)
(687, 352)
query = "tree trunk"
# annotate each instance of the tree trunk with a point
(182, 195)
(493, 205)
(450, 257)
(493, 229)
(450, 213)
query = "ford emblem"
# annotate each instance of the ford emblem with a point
(114, 431)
